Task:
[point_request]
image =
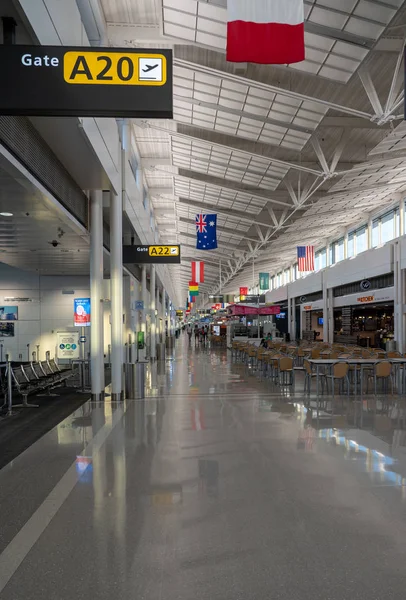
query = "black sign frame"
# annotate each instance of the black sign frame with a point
(139, 254)
(41, 89)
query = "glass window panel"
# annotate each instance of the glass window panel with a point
(387, 227)
(323, 258)
(339, 250)
(397, 223)
(361, 239)
(375, 233)
(332, 253)
(351, 245)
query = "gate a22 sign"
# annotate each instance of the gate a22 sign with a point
(97, 82)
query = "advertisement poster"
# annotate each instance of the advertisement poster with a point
(67, 345)
(81, 312)
(264, 281)
(8, 313)
(6, 329)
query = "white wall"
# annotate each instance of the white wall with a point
(48, 311)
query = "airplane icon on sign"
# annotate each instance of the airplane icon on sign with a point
(149, 68)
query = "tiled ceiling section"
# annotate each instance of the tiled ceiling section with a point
(204, 23)
(247, 111)
(230, 164)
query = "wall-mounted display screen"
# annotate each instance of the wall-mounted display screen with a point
(6, 329)
(8, 313)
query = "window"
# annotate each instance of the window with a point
(294, 272)
(279, 280)
(361, 239)
(339, 250)
(351, 244)
(286, 276)
(134, 166)
(331, 254)
(272, 283)
(387, 227)
(323, 258)
(375, 233)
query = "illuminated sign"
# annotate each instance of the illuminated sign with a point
(164, 250)
(79, 82)
(151, 254)
(364, 299)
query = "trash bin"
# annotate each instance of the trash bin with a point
(135, 380)
(390, 346)
(160, 351)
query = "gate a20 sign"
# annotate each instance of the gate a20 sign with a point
(80, 82)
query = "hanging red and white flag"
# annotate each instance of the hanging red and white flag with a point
(268, 32)
(198, 271)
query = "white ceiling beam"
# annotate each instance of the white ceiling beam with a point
(132, 34)
(370, 90)
(320, 154)
(149, 162)
(339, 149)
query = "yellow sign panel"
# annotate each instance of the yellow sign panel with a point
(163, 250)
(114, 68)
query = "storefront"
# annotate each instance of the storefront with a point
(366, 319)
(312, 320)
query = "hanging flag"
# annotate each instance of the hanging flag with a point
(193, 288)
(264, 281)
(268, 32)
(198, 271)
(206, 232)
(305, 258)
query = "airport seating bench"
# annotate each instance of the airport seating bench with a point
(35, 377)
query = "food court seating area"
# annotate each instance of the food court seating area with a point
(329, 367)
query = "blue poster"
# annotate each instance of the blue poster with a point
(81, 312)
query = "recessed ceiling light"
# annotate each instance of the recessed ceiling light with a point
(6, 214)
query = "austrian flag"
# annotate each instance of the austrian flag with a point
(268, 32)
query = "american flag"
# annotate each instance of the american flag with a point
(305, 258)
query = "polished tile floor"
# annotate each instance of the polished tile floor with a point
(217, 486)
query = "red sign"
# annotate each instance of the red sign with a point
(240, 310)
(243, 291)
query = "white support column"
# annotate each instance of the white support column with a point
(144, 299)
(116, 267)
(158, 320)
(152, 312)
(163, 315)
(325, 309)
(330, 316)
(399, 295)
(96, 295)
(402, 217)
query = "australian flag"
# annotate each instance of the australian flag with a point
(206, 232)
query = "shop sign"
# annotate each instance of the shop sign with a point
(81, 308)
(365, 285)
(243, 291)
(365, 299)
(67, 345)
(308, 307)
(79, 82)
(160, 255)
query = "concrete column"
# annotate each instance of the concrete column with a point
(116, 267)
(152, 312)
(163, 314)
(96, 295)
(325, 309)
(402, 217)
(144, 299)
(330, 316)
(399, 295)
(158, 320)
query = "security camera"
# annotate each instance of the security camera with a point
(55, 243)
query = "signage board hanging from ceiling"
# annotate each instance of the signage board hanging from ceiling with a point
(79, 82)
(154, 255)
